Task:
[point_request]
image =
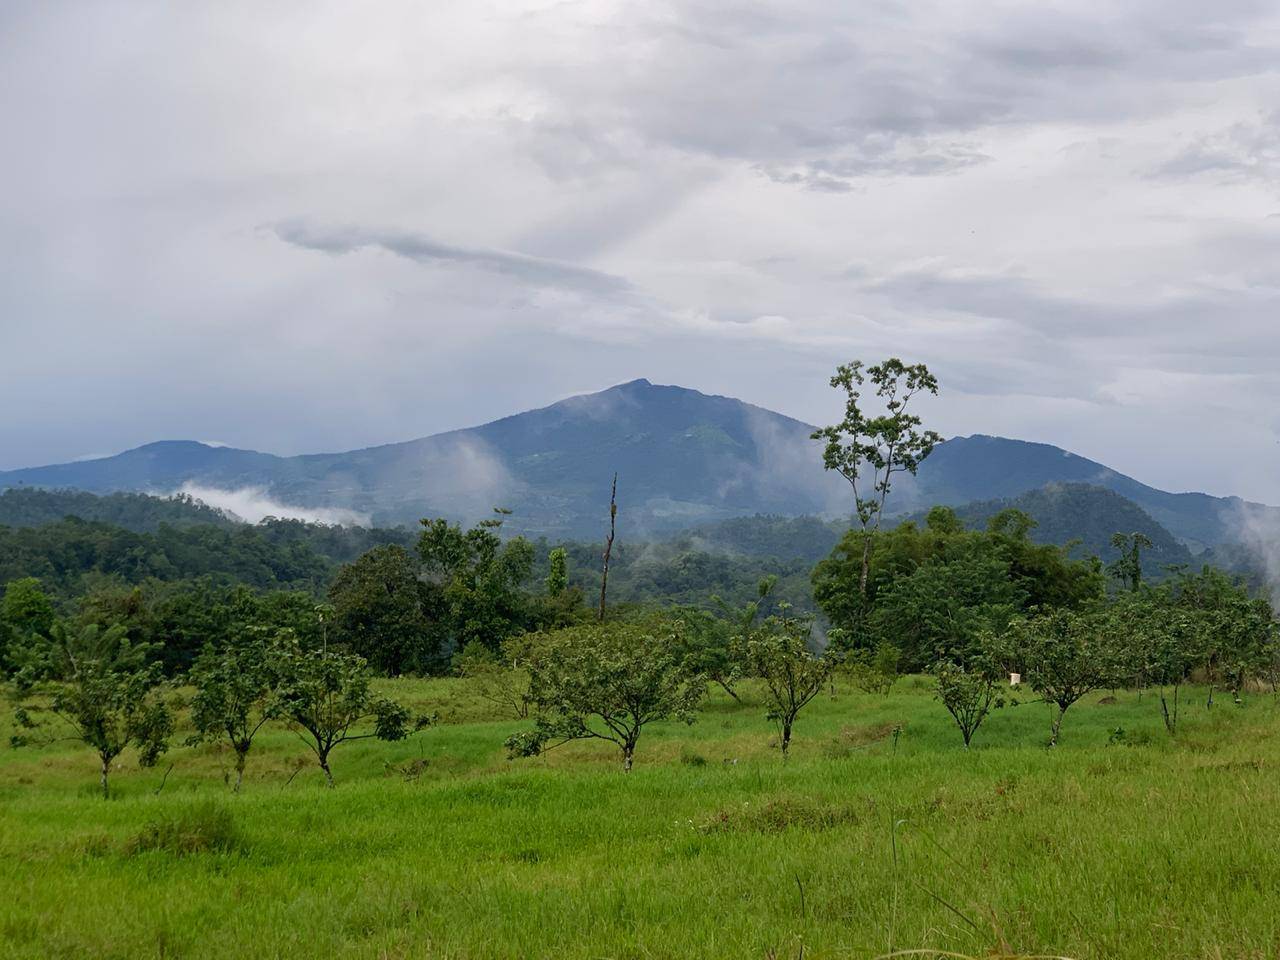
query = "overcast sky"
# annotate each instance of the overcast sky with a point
(314, 226)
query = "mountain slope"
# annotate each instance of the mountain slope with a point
(684, 459)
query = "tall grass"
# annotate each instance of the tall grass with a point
(1139, 846)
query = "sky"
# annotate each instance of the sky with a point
(311, 226)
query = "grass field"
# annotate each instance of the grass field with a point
(440, 847)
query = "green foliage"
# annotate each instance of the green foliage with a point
(874, 671)
(1062, 655)
(502, 679)
(969, 691)
(934, 590)
(881, 445)
(607, 681)
(1127, 568)
(103, 689)
(558, 572)
(203, 828)
(478, 578)
(385, 613)
(234, 695)
(26, 615)
(326, 697)
(779, 655)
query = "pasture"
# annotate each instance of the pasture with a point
(1120, 843)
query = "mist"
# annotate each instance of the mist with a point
(254, 504)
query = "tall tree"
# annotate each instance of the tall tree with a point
(871, 449)
(1127, 568)
(382, 611)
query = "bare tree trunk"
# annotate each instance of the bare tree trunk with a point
(240, 762)
(786, 739)
(608, 544)
(728, 689)
(866, 562)
(1057, 725)
(628, 754)
(106, 770)
(324, 765)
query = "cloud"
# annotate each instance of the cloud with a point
(253, 504)
(535, 271)
(1067, 210)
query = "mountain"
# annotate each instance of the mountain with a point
(1081, 512)
(684, 459)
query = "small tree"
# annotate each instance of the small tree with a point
(557, 572)
(874, 671)
(103, 689)
(872, 449)
(1165, 643)
(234, 696)
(326, 698)
(607, 682)
(779, 655)
(1062, 655)
(969, 692)
(503, 680)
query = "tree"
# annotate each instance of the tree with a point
(503, 680)
(607, 682)
(608, 544)
(381, 611)
(103, 689)
(325, 695)
(557, 572)
(234, 696)
(716, 646)
(1062, 655)
(879, 446)
(1165, 643)
(1128, 566)
(26, 616)
(969, 692)
(476, 578)
(874, 671)
(779, 655)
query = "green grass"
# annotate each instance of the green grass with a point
(439, 847)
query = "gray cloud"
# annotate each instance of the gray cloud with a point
(535, 271)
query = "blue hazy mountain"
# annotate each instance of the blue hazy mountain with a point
(683, 459)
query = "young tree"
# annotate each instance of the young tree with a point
(326, 698)
(779, 655)
(874, 671)
(1062, 655)
(607, 682)
(1165, 643)
(503, 680)
(103, 689)
(872, 449)
(234, 696)
(1127, 568)
(969, 692)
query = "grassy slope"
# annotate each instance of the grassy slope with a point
(1155, 849)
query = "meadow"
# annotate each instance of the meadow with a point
(1121, 842)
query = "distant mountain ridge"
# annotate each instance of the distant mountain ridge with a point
(684, 459)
